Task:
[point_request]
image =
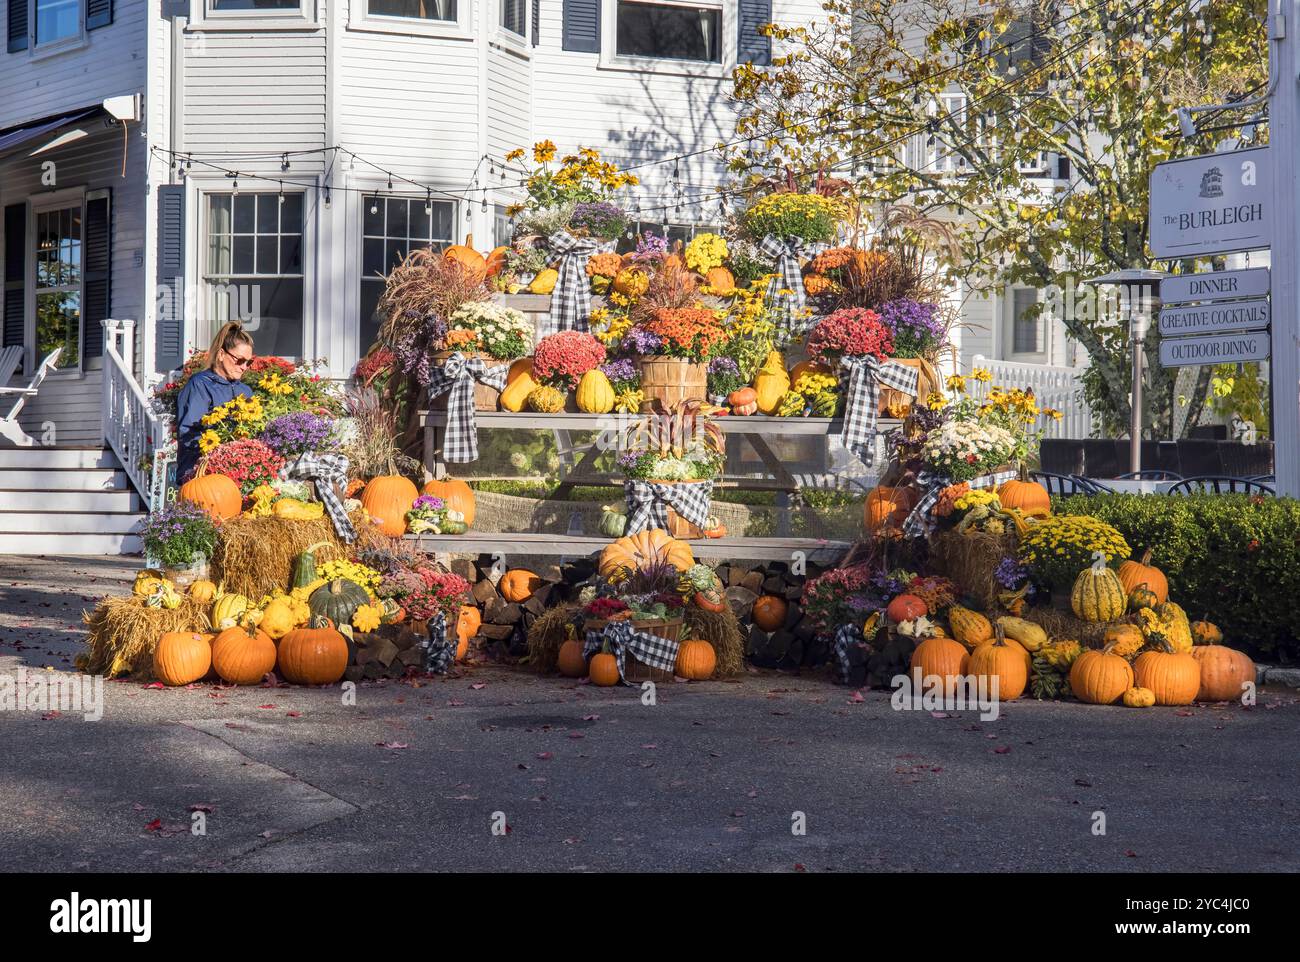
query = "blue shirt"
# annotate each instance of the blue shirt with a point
(202, 393)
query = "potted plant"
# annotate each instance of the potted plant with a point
(180, 539)
(679, 445)
(649, 598)
(560, 361)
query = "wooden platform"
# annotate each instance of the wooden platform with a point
(815, 550)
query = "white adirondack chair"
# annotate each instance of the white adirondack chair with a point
(9, 423)
(10, 358)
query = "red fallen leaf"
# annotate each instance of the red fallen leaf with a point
(572, 840)
(939, 714)
(522, 767)
(577, 735)
(737, 814)
(798, 867)
(990, 736)
(1083, 783)
(591, 718)
(293, 714)
(936, 768)
(1130, 853)
(137, 807)
(200, 807)
(267, 834)
(1002, 750)
(477, 685)
(1184, 713)
(649, 746)
(751, 794)
(154, 826)
(395, 746)
(857, 697)
(455, 704)
(715, 754)
(51, 715)
(266, 706)
(545, 756)
(154, 684)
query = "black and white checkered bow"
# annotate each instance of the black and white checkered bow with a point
(439, 650)
(850, 655)
(622, 638)
(571, 299)
(862, 398)
(789, 307)
(648, 503)
(457, 375)
(326, 471)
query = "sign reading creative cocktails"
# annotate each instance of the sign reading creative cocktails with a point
(1249, 315)
(1214, 204)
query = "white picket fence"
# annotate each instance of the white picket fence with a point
(1054, 386)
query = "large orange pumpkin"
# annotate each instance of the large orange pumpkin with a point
(1100, 678)
(645, 548)
(571, 663)
(1134, 574)
(1223, 672)
(1175, 678)
(313, 656)
(998, 659)
(769, 612)
(471, 261)
(888, 507)
(906, 608)
(603, 670)
(721, 280)
(468, 623)
(243, 657)
(942, 657)
(456, 494)
(387, 498)
(518, 585)
(181, 657)
(1029, 497)
(696, 659)
(216, 494)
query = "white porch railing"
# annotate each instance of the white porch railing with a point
(1054, 386)
(135, 433)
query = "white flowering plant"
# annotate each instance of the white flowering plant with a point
(502, 333)
(965, 448)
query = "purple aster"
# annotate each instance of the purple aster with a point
(640, 341)
(621, 370)
(723, 365)
(916, 326)
(293, 434)
(599, 218)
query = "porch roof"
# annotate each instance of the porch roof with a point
(14, 138)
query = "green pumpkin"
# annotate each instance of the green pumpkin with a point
(338, 600)
(454, 527)
(1142, 597)
(1098, 594)
(612, 523)
(304, 566)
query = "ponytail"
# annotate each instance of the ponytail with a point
(231, 333)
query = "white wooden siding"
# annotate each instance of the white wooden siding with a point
(509, 101)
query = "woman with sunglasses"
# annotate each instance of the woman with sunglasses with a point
(228, 359)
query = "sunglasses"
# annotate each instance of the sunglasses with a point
(240, 361)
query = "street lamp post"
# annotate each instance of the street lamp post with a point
(1139, 294)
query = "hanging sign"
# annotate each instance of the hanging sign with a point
(1215, 285)
(1215, 349)
(1249, 315)
(1213, 204)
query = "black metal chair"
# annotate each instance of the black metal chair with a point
(1219, 484)
(1151, 474)
(1265, 478)
(1064, 485)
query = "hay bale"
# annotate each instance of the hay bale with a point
(545, 637)
(124, 632)
(1063, 624)
(721, 629)
(969, 559)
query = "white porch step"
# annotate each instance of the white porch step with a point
(63, 479)
(43, 543)
(34, 459)
(64, 522)
(114, 500)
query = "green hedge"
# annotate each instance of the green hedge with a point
(1233, 557)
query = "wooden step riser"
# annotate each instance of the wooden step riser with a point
(69, 523)
(37, 459)
(118, 501)
(39, 543)
(95, 479)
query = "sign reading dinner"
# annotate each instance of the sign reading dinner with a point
(1209, 318)
(1214, 204)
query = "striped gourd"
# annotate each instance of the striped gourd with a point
(1098, 594)
(969, 627)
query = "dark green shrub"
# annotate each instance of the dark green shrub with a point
(1232, 557)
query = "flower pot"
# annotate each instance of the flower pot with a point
(196, 570)
(485, 398)
(633, 670)
(671, 380)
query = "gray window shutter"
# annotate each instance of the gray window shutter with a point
(99, 13)
(98, 270)
(537, 22)
(17, 25)
(753, 46)
(15, 271)
(171, 276)
(581, 26)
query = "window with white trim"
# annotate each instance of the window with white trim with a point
(56, 20)
(432, 10)
(58, 240)
(669, 31)
(392, 227)
(1026, 322)
(253, 268)
(513, 17)
(254, 6)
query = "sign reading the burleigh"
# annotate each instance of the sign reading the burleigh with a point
(1215, 204)
(1248, 315)
(1215, 349)
(1215, 286)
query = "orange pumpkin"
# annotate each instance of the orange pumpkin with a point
(652, 546)
(997, 659)
(1100, 678)
(313, 656)
(941, 657)
(571, 663)
(456, 494)
(1175, 678)
(603, 670)
(696, 659)
(518, 585)
(721, 280)
(906, 608)
(743, 401)
(1134, 574)
(386, 499)
(496, 261)
(888, 507)
(471, 261)
(1223, 672)
(769, 612)
(468, 623)
(242, 656)
(1029, 497)
(216, 494)
(181, 657)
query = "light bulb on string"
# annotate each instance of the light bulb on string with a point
(428, 202)
(282, 192)
(284, 161)
(390, 182)
(374, 204)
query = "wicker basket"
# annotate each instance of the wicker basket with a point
(671, 380)
(485, 398)
(633, 670)
(897, 403)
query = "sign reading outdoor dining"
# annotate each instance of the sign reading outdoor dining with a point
(1215, 285)
(1215, 349)
(1251, 315)
(1213, 204)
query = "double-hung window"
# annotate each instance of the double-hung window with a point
(1027, 323)
(56, 20)
(514, 17)
(392, 227)
(253, 272)
(669, 31)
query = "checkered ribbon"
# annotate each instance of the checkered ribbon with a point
(648, 503)
(920, 522)
(326, 471)
(571, 299)
(847, 638)
(789, 307)
(457, 375)
(622, 639)
(862, 399)
(439, 650)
